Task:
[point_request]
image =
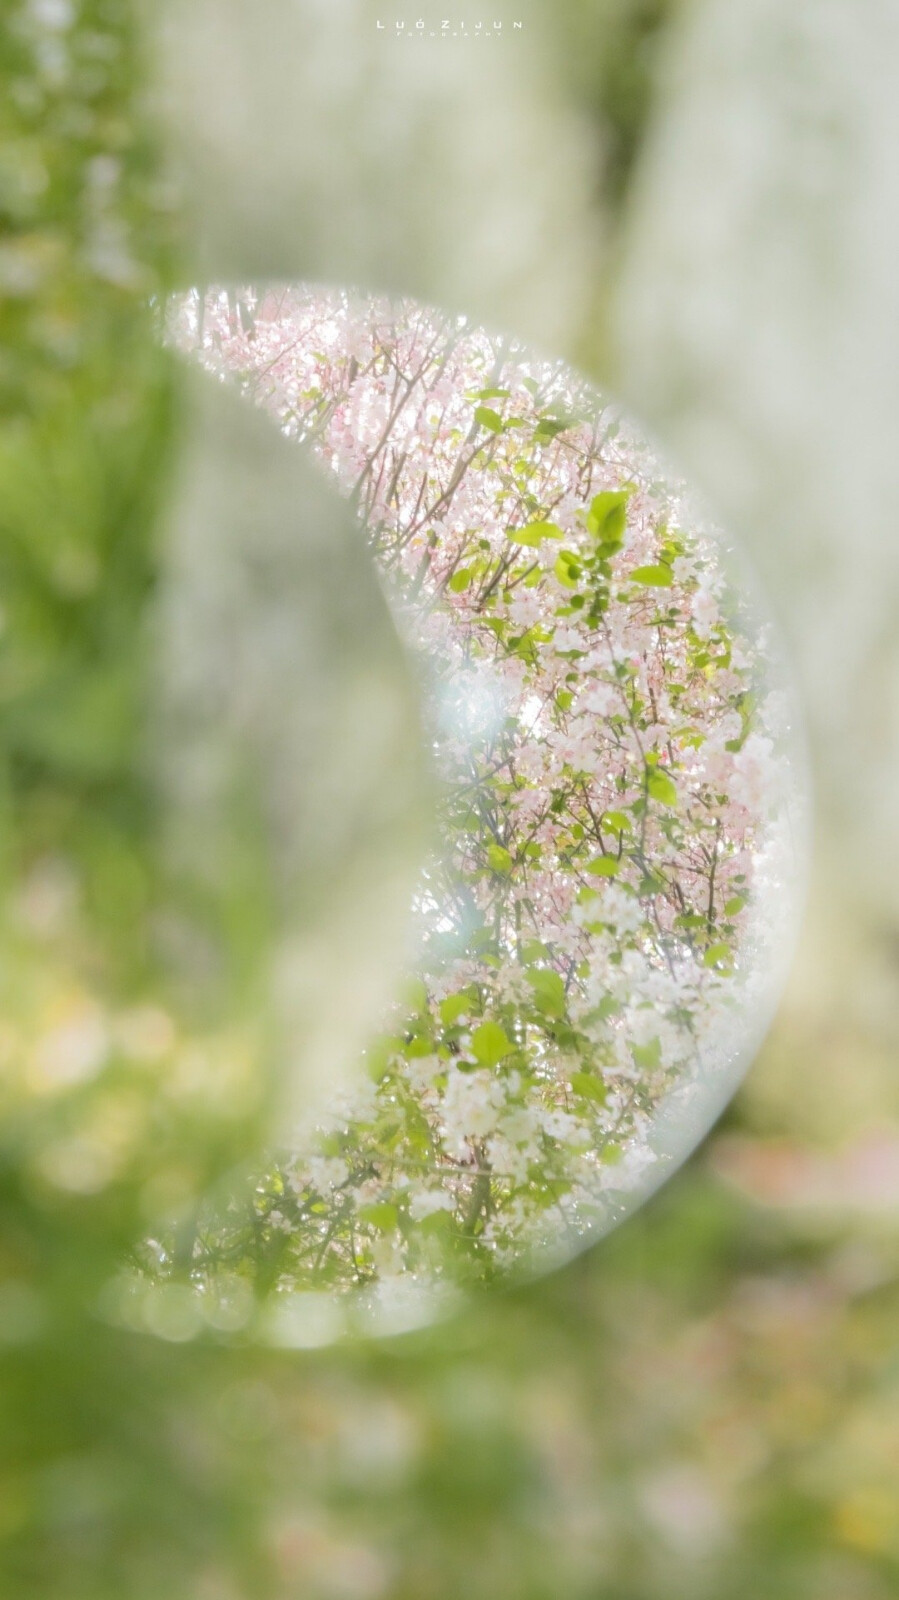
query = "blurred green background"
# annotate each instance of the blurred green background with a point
(705, 1404)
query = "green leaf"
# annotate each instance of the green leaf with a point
(525, 646)
(454, 1007)
(650, 885)
(716, 954)
(419, 1045)
(489, 419)
(601, 504)
(660, 787)
(436, 1222)
(648, 1055)
(567, 569)
(533, 950)
(489, 1044)
(460, 580)
(608, 1007)
(534, 533)
(659, 577)
(589, 1086)
(617, 821)
(492, 394)
(497, 625)
(499, 859)
(549, 990)
(607, 517)
(604, 866)
(734, 905)
(380, 1214)
(549, 427)
(613, 532)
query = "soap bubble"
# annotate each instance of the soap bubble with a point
(601, 930)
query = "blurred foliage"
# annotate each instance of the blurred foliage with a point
(707, 1405)
(85, 416)
(108, 1109)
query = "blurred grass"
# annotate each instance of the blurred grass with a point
(707, 1404)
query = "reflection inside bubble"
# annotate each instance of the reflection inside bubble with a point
(599, 935)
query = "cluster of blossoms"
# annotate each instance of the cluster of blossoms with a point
(609, 758)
